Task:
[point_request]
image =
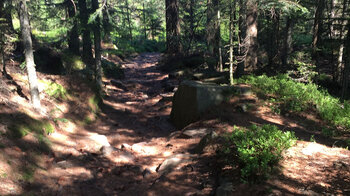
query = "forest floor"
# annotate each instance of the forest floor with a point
(134, 120)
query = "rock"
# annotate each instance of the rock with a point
(193, 98)
(170, 163)
(65, 164)
(205, 141)
(143, 148)
(99, 140)
(107, 150)
(146, 173)
(193, 133)
(122, 157)
(125, 146)
(225, 189)
(119, 84)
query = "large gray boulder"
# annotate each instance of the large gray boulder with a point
(193, 98)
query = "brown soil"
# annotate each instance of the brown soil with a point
(140, 115)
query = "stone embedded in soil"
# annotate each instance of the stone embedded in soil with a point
(100, 140)
(107, 150)
(144, 148)
(172, 162)
(121, 157)
(206, 142)
(193, 133)
(146, 173)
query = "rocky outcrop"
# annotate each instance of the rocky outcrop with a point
(193, 98)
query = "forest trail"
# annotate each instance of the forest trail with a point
(134, 120)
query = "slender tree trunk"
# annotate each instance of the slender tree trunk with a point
(252, 33)
(97, 36)
(340, 63)
(173, 27)
(346, 74)
(241, 32)
(213, 30)
(231, 43)
(274, 42)
(287, 42)
(106, 24)
(317, 29)
(29, 57)
(73, 35)
(144, 21)
(128, 18)
(220, 45)
(87, 49)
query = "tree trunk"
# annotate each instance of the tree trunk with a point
(340, 63)
(144, 21)
(29, 57)
(213, 30)
(173, 27)
(346, 73)
(231, 43)
(220, 45)
(252, 33)
(128, 18)
(240, 15)
(97, 36)
(317, 29)
(73, 36)
(274, 40)
(87, 49)
(287, 42)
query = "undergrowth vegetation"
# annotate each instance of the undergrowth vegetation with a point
(296, 97)
(257, 150)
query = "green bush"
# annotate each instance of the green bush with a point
(257, 150)
(54, 89)
(296, 96)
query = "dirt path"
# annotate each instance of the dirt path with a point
(134, 121)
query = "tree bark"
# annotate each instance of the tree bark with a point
(97, 37)
(340, 62)
(128, 18)
(213, 30)
(29, 57)
(173, 27)
(288, 41)
(144, 21)
(240, 15)
(73, 35)
(274, 40)
(252, 33)
(87, 49)
(317, 29)
(231, 43)
(346, 74)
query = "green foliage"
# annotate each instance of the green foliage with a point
(27, 126)
(50, 36)
(72, 62)
(305, 67)
(295, 96)
(112, 70)
(328, 132)
(54, 89)
(257, 150)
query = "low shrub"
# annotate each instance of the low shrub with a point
(257, 150)
(296, 96)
